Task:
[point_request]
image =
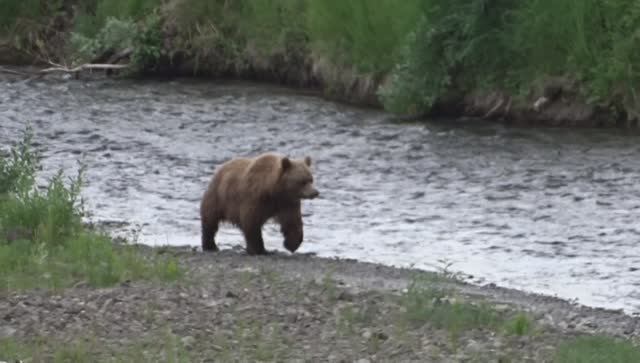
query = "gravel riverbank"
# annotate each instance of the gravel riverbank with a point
(234, 307)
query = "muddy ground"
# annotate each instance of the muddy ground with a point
(300, 308)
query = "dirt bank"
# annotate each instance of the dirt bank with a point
(551, 102)
(233, 307)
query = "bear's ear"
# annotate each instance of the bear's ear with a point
(286, 163)
(307, 160)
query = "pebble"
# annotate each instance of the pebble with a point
(188, 341)
(366, 334)
(7, 332)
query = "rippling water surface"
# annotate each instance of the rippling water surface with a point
(551, 211)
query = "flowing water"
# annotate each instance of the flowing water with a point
(550, 211)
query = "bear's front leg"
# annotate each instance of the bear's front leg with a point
(255, 243)
(291, 227)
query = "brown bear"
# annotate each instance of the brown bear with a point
(249, 191)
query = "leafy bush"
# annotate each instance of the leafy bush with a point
(463, 46)
(458, 45)
(144, 39)
(95, 14)
(115, 34)
(43, 242)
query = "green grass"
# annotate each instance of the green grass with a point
(43, 241)
(425, 303)
(86, 258)
(15, 12)
(161, 347)
(597, 349)
(364, 33)
(253, 341)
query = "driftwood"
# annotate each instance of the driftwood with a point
(494, 109)
(58, 68)
(74, 70)
(118, 56)
(11, 71)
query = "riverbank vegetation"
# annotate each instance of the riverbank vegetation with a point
(43, 240)
(410, 56)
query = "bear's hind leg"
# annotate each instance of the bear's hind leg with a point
(209, 230)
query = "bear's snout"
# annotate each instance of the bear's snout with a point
(312, 194)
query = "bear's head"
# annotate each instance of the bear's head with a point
(297, 180)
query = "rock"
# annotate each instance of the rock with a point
(381, 335)
(501, 307)
(366, 334)
(188, 341)
(474, 347)
(345, 296)
(211, 303)
(6, 332)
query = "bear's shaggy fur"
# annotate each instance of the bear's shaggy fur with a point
(249, 191)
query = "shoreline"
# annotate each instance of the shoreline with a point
(299, 307)
(366, 275)
(564, 109)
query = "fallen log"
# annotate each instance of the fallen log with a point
(75, 70)
(82, 67)
(11, 71)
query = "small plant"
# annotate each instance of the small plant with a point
(350, 317)
(520, 325)
(17, 169)
(330, 286)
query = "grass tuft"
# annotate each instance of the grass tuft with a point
(519, 325)
(425, 303)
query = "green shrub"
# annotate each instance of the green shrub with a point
(116, 34)
(51, 215)
(43, 242)
(94, 14)
(463, 46)
(457, 46)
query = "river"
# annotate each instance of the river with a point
(553, 211)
